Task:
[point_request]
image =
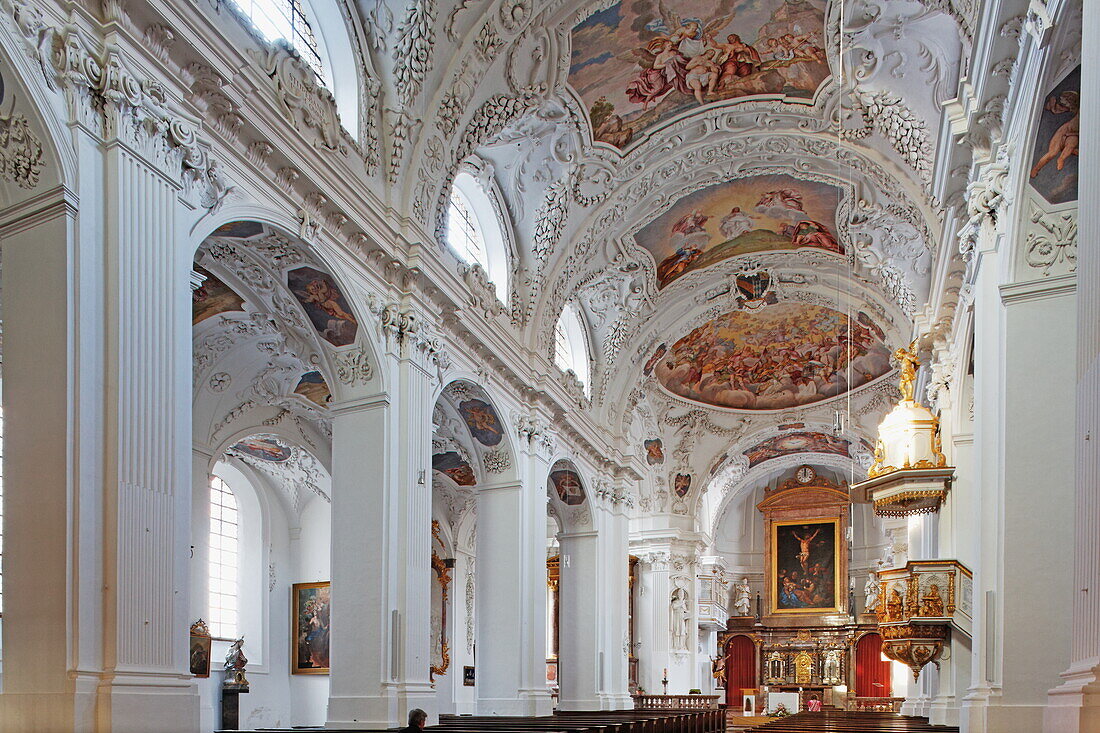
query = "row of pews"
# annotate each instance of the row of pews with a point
(843, 721)
(606, 721)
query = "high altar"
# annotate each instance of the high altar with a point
(804, 636)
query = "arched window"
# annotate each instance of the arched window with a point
(224, 560)
(318, 32)
(286, 20)
(464, 232)
(571, 344)
(474, 233)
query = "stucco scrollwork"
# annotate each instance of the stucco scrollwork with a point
(353, 367)
(1051, 241)
(21, 159)
(305, 103)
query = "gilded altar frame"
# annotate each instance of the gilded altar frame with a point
(806, 499)
(773, 570)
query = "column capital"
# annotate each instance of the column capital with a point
(536, 436)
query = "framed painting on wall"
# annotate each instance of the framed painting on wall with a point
(804, 568)
(200, 649)
(310, 611)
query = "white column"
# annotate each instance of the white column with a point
(365, 657)
(580, 595)
(462, 637)
(989, 355)
(652, 619)
(511, 590)
(381, 559)
(1074, 706)
(956, 541)
(52, 511)
(148, 434)
(665, 566)
(614, 590)
(1022, 579)
(921, 544)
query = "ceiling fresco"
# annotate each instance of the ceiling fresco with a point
(264, 447)
(792, 443)
(784, 355)
(1054, 162)
(744, 216)
(325, 305)
(566, 483)
(638, 63)
(314, 388)
(212, 297)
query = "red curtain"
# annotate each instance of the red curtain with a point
(872, 673)
(740, 668)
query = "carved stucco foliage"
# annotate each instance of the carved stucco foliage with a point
(487, 122)
(103, 93)
(21, 160)
(353, 367)
(412, 53)
(1050, 244)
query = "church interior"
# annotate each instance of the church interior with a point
(549, 365)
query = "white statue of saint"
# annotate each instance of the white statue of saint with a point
(742, 599)
(870, 593)
(680, 618)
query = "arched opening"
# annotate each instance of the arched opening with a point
(873, 671)
(741, 671)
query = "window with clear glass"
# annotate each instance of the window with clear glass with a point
(464, 232)
(571, 344)
(224, 560)
(286, 20)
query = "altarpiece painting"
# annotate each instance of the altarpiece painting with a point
(805, 569)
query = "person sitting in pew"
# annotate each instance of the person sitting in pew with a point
(417, 720)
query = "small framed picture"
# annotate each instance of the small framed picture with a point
(310, 610)
(468, 676)
(200, 649)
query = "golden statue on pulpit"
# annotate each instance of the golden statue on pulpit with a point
(932, 604)
(908, 363)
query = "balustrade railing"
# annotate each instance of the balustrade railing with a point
(676, 702)
(877, 704)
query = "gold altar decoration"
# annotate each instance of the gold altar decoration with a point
(910, 474)
(803, 668)
(442, 570)
(805, 565)
(919, 605)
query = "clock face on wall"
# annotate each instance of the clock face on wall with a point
(805, 475)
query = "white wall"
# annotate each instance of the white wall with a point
(311, 547)
(273, 555)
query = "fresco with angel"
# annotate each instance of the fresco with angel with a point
(640, 62)
(746, 215)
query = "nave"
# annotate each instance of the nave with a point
(560, 364)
